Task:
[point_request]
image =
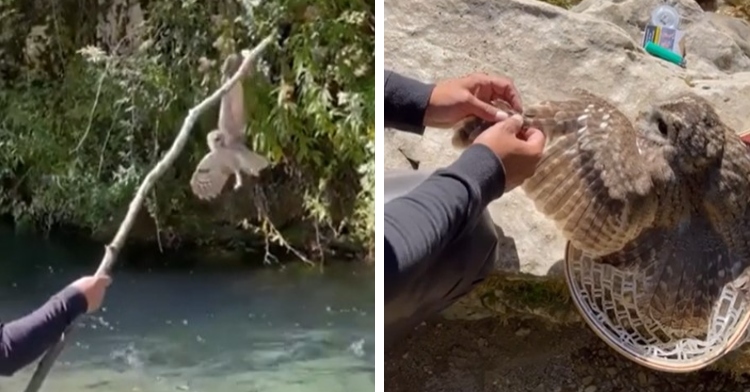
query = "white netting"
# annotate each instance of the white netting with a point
(608, 299)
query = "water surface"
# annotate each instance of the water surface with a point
(202, 329)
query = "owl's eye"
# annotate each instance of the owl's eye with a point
(663, 129)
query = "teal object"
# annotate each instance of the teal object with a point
(665, 54)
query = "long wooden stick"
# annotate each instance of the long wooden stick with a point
(112, 249)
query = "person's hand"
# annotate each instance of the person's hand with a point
(93, 288)
(453, 100)
(519, 149)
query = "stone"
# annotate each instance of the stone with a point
(523, 332)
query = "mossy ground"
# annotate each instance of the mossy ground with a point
(546, 301)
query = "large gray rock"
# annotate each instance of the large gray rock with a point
(548, 51)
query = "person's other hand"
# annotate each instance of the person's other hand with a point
(93, 288)
(452, 100)
(520, 150)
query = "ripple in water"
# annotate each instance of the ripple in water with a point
(212, 332)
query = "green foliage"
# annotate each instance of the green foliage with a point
(85, 114)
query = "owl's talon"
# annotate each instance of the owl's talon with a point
(237, 181)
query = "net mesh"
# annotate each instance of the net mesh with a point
(611, 302)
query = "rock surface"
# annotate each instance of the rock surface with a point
(547, 51)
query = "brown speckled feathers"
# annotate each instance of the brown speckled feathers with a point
(588, 181)
(666, 198)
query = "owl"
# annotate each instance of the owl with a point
(663, 198)
(227, 154)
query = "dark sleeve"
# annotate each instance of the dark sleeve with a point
(24, 340)
(425, 220)
(406, 100)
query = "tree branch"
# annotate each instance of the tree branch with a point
(113, 248)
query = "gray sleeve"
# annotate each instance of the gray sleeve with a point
(405, 102)
(423, 222)
(24, 340)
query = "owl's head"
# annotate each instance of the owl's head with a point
(686, 129)
(215, 139)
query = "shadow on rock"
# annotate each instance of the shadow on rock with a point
(506, 257)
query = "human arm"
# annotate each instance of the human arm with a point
(410, 105)
(405, 102)
(426, 220)
(422, 223)
(25, 339)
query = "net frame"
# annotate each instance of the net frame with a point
(603, 294)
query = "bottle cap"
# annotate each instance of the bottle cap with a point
(665, 16)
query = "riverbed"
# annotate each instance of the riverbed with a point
(206, 328)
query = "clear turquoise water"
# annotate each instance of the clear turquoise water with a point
(199, 330)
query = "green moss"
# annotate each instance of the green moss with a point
(567, 4)
(537, 293)
(518, 295)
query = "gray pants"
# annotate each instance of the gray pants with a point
(436, 283)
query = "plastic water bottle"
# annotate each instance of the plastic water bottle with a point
(665, 16)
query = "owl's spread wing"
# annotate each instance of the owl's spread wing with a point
(211, 174)
(232, 118)
(729, 186)
(590, 180)
(726, 203)
(681, 271)
(252, 163)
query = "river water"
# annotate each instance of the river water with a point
(201, 329)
